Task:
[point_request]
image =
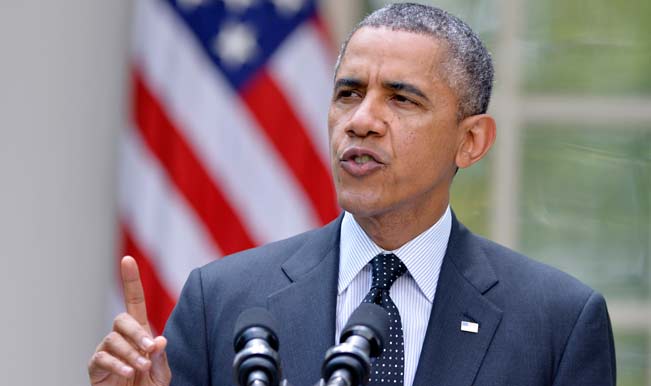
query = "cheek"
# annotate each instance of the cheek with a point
(334, 123)
(417, 139)
(427, 150)
(332, 134)
(331, 122)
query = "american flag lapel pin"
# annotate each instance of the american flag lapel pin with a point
(469, 327)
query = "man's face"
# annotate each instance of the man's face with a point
(392, 125)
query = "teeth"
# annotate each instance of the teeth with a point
(362, 159)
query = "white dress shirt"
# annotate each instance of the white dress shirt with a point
(413, 293)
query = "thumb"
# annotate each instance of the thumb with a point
(160, 369)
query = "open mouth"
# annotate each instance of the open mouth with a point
(360, 155)
(360, 161)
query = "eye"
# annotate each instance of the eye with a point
(346, 94)
(402, 99)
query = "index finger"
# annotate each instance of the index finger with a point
(134, 295)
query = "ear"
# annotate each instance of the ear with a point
(478, 135)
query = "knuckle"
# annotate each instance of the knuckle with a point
(133, 355)
(98, 357)
(135, 298)
(112, 338)
(124, 316)
(92, 363)
(120, 319)
(117, 320)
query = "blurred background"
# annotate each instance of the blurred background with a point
(568, 183)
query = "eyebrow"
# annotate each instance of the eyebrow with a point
(406, 87)
(391, 85)
(348, 82)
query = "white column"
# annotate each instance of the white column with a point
(505, 171)
(62, 98)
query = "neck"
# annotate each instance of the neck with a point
(392, 230)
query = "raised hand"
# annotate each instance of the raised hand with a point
(129, 355)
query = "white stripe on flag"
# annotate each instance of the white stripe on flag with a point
(160, 221)
(303, 69)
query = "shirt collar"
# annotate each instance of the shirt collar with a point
(422, 255)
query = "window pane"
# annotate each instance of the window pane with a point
(585, 204)
(586, 209)
(597, 46)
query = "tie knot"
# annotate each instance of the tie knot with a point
(386, 269)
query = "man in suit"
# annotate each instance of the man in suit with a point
(411, 90)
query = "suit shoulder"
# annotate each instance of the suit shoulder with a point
(261, 257)
(549, 322)
(260, 260)
(261, 265)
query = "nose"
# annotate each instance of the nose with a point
(368, 118)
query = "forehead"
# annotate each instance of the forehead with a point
(393, 55)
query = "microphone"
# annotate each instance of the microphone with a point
(256, 362)
(349, 362)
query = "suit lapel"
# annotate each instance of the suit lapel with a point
(451, 356)
(306, 308)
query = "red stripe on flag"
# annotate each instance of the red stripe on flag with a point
(279, 122)
(187, 172)
(159, 301)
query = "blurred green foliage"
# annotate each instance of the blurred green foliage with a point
(469, 197)
(586, 209)
(588, 46)
(585, 204)
(632, 358)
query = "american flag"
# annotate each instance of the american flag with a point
(227, 142)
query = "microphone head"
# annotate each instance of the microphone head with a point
(255, 323)
(371, 321)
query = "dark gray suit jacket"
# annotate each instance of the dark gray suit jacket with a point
(537, 325)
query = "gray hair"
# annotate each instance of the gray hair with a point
(468, 68)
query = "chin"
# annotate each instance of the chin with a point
(362, 205)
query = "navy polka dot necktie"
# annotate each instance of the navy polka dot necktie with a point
(389, 367)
